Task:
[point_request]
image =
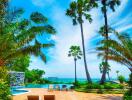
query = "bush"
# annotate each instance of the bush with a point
(94, 86)
(4, 91)
(128, 94)
(113, 86)
(121, 79)
(4, 84)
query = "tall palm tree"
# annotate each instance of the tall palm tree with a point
(76, 53)
(18, 36)
(106, 4)
(76, 11)
(117, 72)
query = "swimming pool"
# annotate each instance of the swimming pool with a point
(18, 91)
(22, 90)
(46, 85)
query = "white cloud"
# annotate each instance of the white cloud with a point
(121, 29)
(67, 34)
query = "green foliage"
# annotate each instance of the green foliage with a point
(76, 52)
(20, 64)
(4, 84)
(4, 90)
(97, 88)
(34, 76)
(121, 79)
(119, 50)
(113, 86)
(128, 94)
(80, 8)
(16, 35)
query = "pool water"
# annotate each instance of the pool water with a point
(18, 91)
(46, 85)
(22, 90)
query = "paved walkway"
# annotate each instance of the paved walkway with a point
(70, 95)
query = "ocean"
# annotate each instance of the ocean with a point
(70, 80)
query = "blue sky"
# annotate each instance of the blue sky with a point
(59, 65)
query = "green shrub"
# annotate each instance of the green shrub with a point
(4, 91)
(113, 86)
(128, 94)
(93, 86)
(121, 79)
(4, 84)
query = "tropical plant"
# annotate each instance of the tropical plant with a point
(105, 5)
(18, 36)
(101, 45)
(101, 67)
(20, 64)
(120, 49)
(117, 72)
(128, 94)
(34, 76)
(76, 53)
(77, 10)
(4, 84)
(121, 79)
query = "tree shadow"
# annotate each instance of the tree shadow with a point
(112, 97)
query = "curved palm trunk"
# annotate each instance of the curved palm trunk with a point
(103, 78)
(84, 55)
(75, 71)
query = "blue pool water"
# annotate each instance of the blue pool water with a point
(22, 90)
(45, 85)
(18, 91)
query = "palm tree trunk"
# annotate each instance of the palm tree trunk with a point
(103, 78)
(84, 55)
(75, 71)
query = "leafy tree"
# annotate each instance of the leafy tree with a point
(4, 84)
(18, 36)
(20, 64)
(34, 75)
(128, 94)
(77, 11)
(121, 79)
(76, 53)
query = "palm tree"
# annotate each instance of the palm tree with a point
(77, 10)
(76, 53)
(101, 67)
(101, 44)
(18, 36)
(105, 4)
(117, 72)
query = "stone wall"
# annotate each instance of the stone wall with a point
(17, 78)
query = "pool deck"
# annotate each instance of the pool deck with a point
(68, 95)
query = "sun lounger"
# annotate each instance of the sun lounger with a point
(64, 87)
(33, 97)
(49, 97)
(57, 87)
(50, 88)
